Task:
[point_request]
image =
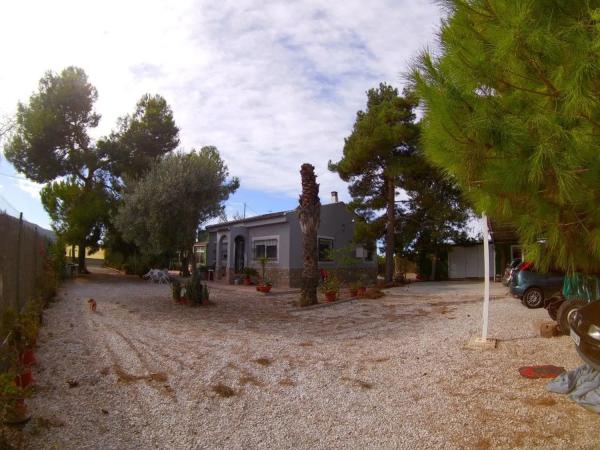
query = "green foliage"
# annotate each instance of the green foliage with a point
(343, 256)
(330, 284)
(141, 138)
(512, 112)
(196, 292)
(162, 211)
(433, 216)
(263, 260)
(371, 163)
(50, 141)
(176, 290)
(51, 136)
(250, 272)
(76, 210)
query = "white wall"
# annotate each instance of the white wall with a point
(467, 262)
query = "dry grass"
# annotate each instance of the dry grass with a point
(249, 379)
(125, 377)
(359, 383)
(263, 361)
(287, 382)
(306, 344)
(223, 391)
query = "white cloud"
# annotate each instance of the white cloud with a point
(29, 187)
(271, 83)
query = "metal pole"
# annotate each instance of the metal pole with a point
(486, 282)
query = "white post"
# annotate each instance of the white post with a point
(486, 283)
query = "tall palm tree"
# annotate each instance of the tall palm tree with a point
(310, 217)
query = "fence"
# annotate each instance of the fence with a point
(22, 249)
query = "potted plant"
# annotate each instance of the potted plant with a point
(361, 288)
(249, 272)
(353, 287)
(13, 409)
(265, 284)
(176, 290)
(330, 288)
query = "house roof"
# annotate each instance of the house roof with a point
(274, 215)
(250, 219)
(503, 232)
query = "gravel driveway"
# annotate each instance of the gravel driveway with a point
(250, 373)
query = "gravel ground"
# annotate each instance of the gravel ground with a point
(249, 373)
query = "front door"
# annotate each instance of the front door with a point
(239, 254)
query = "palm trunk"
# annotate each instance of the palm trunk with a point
(433, 266)
(309, 213)
(390, 230)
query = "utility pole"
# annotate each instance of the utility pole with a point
(244, 210)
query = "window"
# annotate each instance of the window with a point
(516, 252)
(224, 250)
(200, 255)
(325, 247)
(265, 247)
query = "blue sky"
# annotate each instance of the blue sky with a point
(271, 84)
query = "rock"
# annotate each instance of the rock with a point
(549, 329)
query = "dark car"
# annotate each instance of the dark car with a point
(533, 287)
(510, 271)
(585, 331)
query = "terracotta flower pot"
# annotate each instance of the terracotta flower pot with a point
(247, 281)
(24, 379)
(330, 296)
(17, 413)
(353, 292)
(264, 288)
(361, 291)
(27, 358)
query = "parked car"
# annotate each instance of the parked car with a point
(533, 287)
(510, 270)
(585, 331)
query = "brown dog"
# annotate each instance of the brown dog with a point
(92, 304)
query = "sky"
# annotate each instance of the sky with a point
(271, 84)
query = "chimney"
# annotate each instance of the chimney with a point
(334, 197)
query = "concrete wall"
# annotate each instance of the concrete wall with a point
(467, 262)
(279, 231)
(337, 223)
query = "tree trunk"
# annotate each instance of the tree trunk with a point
(81, 257)
(433, 266)
(185, 262)
(390, 230)
(309, 213)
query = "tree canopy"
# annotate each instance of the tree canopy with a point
(50, 142)
(512, 111)
(162, 211)
(51, 137)
(141, 138)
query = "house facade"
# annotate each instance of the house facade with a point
(230, 247)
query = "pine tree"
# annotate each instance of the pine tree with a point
(371, 162)
(512, 111)
(309, 212)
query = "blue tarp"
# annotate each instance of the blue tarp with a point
(582, 384)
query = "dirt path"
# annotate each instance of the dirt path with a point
(247, 373)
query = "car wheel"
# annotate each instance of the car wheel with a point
(553, 304)
(566, 309)
(533, 298)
